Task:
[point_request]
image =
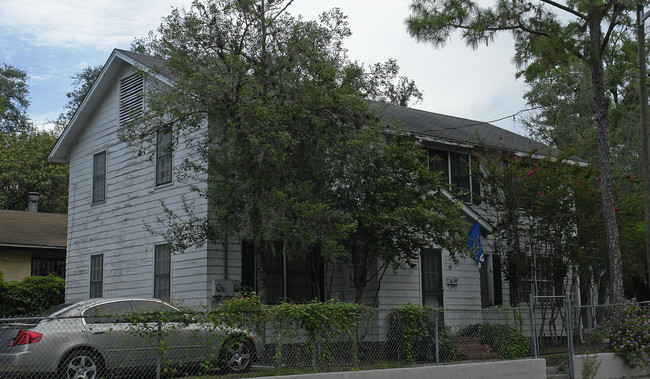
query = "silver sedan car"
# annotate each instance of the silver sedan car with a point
(90, 338)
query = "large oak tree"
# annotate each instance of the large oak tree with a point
(278, 105)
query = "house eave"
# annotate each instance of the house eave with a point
(24, 246)
(61, 150)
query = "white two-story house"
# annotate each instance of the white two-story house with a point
(115, 200)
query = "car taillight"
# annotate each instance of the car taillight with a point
(24, 337)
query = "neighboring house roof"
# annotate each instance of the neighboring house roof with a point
(33, 229)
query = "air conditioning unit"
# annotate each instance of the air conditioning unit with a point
(225, 287)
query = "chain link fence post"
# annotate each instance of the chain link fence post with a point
(569, 334)
(437, 338)
(532, 327)
(158, 352)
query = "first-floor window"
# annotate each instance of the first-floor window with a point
(162, 271)
(298, 279)
(97, 275)
(534, 276)
(431, 266)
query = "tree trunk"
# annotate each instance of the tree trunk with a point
(359, 273)
(607, 191)
(643, 106)
(260, 275)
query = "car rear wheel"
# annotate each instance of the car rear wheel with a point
(81, 364)
(236, 355)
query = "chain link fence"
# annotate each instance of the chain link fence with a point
(298, 339)
(190, 344)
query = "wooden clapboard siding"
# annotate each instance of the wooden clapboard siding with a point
(116, 226)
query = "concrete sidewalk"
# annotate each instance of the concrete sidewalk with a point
(519, 369)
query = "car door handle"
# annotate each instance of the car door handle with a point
(100, 332)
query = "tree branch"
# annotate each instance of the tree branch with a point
(565, 8)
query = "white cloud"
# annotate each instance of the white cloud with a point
(82, 23)
(456, 80)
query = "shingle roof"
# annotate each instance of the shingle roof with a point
(33, 229)
(147, 60)
(421, 123)
(458, 130)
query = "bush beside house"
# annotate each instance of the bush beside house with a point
(29, 296)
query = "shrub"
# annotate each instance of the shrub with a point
(504, 340)
(323, 325)
(628, 330)
(30, 296)
(412, 332)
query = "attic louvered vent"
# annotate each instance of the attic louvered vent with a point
(131, 98)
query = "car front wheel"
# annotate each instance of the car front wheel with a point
(81, 365)
(236, 355)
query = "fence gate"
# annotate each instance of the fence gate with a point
(551, 326)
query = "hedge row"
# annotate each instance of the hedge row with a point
(30, 296)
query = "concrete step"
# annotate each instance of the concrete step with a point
(551, 370)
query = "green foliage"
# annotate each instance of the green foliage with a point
(590, 366)
(547, 35)
(628, 331)
(271, 116)
(322, 324)
(245, 312)
(505, 340)
(413, 333)
(24, 168)
(14, 100)
(318, 328)
(396, 204)
(30, 296)
(535, 200)
(81, 84)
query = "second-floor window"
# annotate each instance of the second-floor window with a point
(99, 177)
(456, 169)
(163, 157)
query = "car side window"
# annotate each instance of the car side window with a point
(113, 312)
(152, 306)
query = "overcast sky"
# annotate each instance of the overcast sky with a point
(54, 39)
